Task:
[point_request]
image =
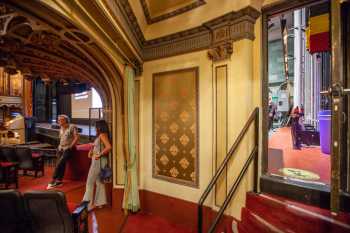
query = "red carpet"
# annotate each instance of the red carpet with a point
(151, 224)
(27, 183)
(282, 155)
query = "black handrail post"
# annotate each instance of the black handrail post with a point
(200, 218)
(256, 157)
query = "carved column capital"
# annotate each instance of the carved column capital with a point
(221, 52)
(221, 46)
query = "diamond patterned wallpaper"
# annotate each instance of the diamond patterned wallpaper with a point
(175, 126)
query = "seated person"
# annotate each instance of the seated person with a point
(69, 137)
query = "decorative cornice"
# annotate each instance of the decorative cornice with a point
(128, 14)
(176, 12)
(235, 26)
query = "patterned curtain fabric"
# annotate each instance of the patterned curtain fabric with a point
(131, 200)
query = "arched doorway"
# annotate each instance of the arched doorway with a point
(44, 44)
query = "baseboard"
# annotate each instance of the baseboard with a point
(175, 210)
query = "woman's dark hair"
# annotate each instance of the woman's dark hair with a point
(102, 127)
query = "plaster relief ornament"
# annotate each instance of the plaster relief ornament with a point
(184, 139)
(184, 116)
(164, 138)
(174, 150)
(184, 163)
(174, 127)
(174, 172)
(164, 160)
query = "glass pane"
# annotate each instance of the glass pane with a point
(299, 118)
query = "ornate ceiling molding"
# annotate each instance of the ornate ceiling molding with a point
(55, 49)
(231, 27)
(236, 25)
(151, 20)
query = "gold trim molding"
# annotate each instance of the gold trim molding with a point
(236, 24)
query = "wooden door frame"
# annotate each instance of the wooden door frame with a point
(318, 195)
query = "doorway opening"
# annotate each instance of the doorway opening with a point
(298, 116)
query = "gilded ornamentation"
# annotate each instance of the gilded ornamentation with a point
(175, 144)
(237, 25)
(156, 148)
(164, 138)
(174, 127)
(174, 150)
(193, 153)
(184, 140)
(193, 128)
(193, 176)
(164, 159)
(164, 116)
(184, 163)
(221, 52)
(174, 172)
(184, 116)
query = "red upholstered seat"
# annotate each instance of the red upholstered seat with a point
(78, 166)
(7, 164)
(85, 147)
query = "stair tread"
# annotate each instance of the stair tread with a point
(295, 216)
(261, 225)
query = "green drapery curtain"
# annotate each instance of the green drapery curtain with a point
(131, 201)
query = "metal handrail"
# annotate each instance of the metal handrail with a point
(254, 117)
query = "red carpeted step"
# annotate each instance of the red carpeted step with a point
(242, 228)
(142, 222)
(256, 223)
(290, 216)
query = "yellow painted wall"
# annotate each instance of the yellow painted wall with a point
(241, 101)
(205, 121)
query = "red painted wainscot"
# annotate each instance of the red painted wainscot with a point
(169, 214)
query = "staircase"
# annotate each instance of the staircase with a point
(271, 214)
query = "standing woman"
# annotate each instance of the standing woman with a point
(99, 157)
(295, 115)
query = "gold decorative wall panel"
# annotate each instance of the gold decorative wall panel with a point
(175, 126)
